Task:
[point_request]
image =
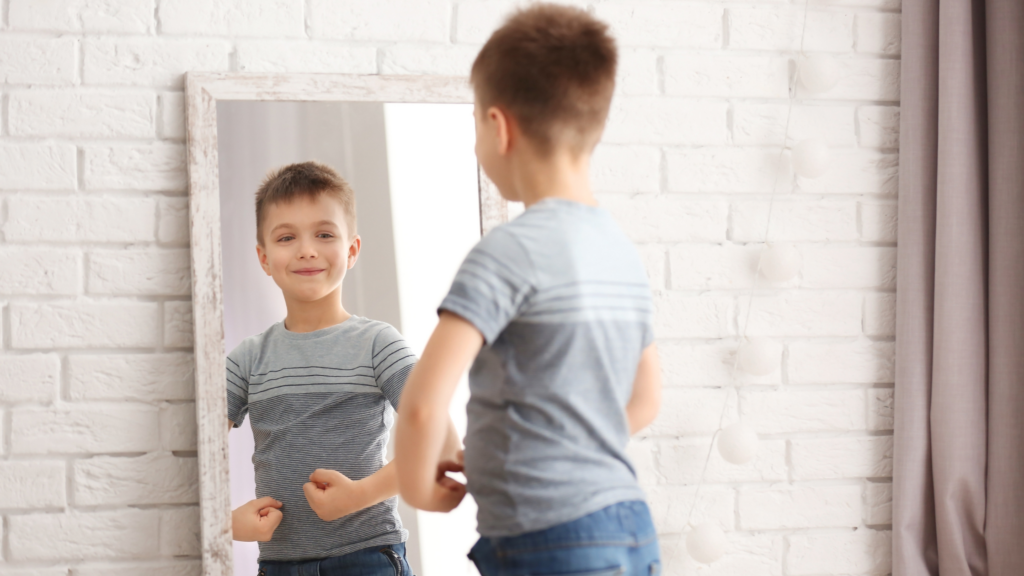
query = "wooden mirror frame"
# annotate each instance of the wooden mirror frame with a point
(203, 91)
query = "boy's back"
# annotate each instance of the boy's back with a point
(564, 305)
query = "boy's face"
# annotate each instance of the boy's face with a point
(306, 247)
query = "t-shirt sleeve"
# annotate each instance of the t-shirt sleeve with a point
(393, 360)
(492, 284)
(237, 374)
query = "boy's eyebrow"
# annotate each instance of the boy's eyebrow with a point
(315, 224)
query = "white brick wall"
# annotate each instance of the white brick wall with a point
(97, 453)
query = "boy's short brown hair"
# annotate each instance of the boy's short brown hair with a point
(553, 69)
(304, 180)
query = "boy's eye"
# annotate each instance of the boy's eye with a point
(325, 235)
(285, 238)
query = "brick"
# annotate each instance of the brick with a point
(691, 411)
(149, 479)
(178, 324)
(172, 223)
(861, 362)
(765, 124)
(232, 17)
(446, 60)
(883, 4)
(37, 166)
(653, 258)
(84, 536)
(184, 567)
(155, 167)
(306, 57)
(703, 364)
(667, 218)
(682, 462)
(794, 507)
(863, 552)
(47, 571)
(37, 60)
(880, 315)
(782, 28)
(662, 23)
(84, 429)
(878, 221)
(881, 415)
(856, 172)
(179, 532)
(143, 377)
(628, 169)
(79, 219)
(140, 272)
(82, 15)
(795, 410)
(33, 271)
(637, 72)
(879, 126)
(711, 267)
(681, 315)
(862, 80)
(798, 313)
(746, 555)
(84, 325)
(154, 62)
(823, 220)
(32, 484)
(172, 116)
(727, 170)
(666, 121)
(831, 458)
(29, 378)
(848, 267)
(670, 506)
(419, 21)
(82, 114)
(711, 74)
(178, 427)
(475, 21)
(878, 33)
(878, 504)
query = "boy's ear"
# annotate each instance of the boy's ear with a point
(262, 255)
(353, 251)
(502, 124)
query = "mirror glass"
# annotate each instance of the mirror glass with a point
(415, 178)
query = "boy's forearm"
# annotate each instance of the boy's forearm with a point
(379, 486)
(452, 443)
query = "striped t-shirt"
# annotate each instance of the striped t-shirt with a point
(323, 399)
(563, 302)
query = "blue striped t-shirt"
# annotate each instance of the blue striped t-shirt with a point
(323, 399)
(563, 302)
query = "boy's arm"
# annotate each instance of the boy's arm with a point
(424, 431)
(645, 402)
(332, 495)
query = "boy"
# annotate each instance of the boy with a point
(320, 388)
(556, 308)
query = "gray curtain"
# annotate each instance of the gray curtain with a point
(958, 486)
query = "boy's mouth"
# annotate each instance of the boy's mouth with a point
(308, 271)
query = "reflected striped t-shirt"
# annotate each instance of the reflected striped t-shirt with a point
(323, 399)
(563, 302)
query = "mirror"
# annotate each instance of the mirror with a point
(421, 206)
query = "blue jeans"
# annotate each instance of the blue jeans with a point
(385, 560)
(619, 540)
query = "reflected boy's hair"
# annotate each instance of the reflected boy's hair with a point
(304, 180)
(553, 69)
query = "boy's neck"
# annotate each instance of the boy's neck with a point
(562, 175)
(316, 315)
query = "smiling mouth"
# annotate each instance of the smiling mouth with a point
(308, 271)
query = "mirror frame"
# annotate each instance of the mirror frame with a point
(202, 92)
